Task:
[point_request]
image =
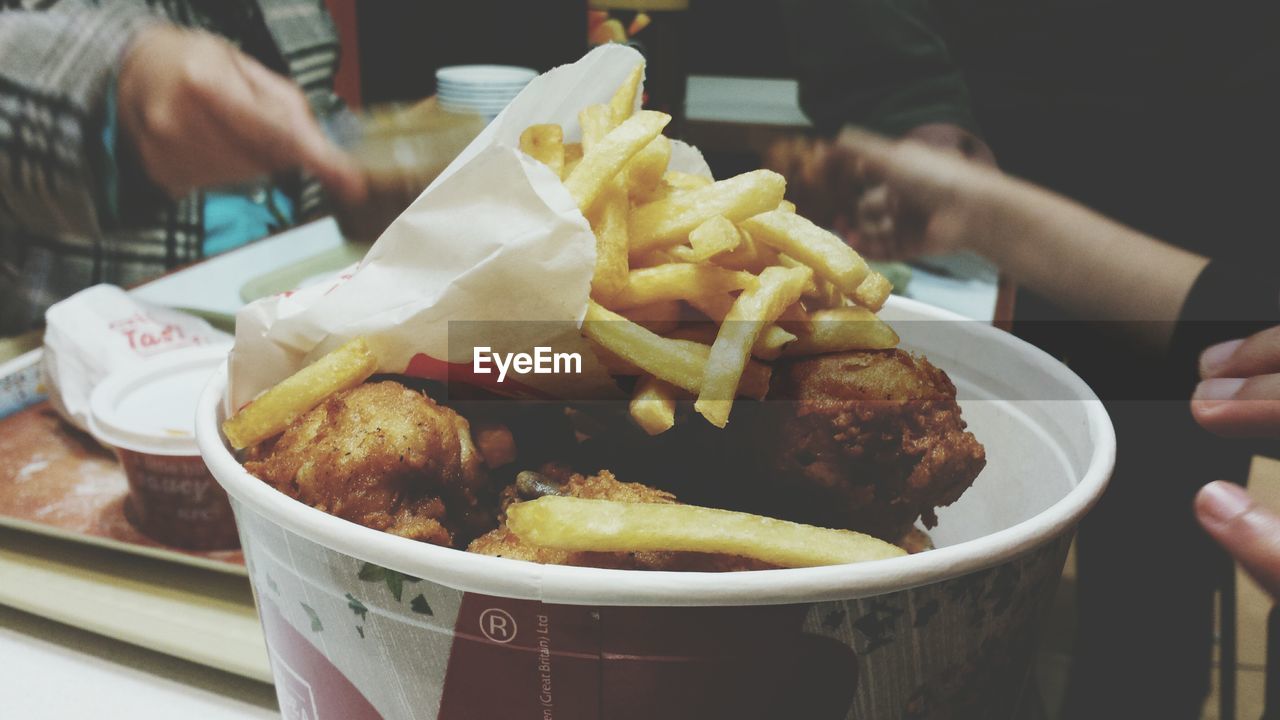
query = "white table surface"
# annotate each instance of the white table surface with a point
(214, 285)
(50, 670)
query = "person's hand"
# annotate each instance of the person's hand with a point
(828, 185)
(933, 200)
(811, 173)
(1239, 394)
(199, 113)
(1251, 534)
(887, 226)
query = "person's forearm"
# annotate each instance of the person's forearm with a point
(1096, 268)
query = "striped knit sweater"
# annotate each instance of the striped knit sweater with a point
(59, 229)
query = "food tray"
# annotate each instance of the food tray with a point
(57, 481)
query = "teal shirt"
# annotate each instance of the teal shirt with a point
(232, 219)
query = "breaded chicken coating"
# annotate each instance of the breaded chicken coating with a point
(386, 457)
(869, 441)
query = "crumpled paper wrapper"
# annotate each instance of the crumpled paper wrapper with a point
(495, 246)
(102, 329)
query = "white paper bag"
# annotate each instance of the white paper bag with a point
(102, 329)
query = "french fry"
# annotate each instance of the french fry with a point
(623, 103)
(751, 312)
(669, 221)
(581, 525)
(610, 30)
(659, 317)
(638, 23)
(601, 163)
(596, 122)
(795, 317)
(771, 342)
(653, 405)
(670, 360)
(811, 289)
(827, 254)
(663, 191)
(825, 295)
(276, 409)
(686, 181)
(755, 378)
(772, 339)
(609, 222)
(609, 217)
(653, 258)
(644, 172)
(750, 255)
(572, 157)
(873, 291)
(843, 329)
(679, 362)
(679, 281)
(715, 236)
(544, 143)
(614, 363)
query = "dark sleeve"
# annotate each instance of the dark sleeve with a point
(55, 70)
(1227, 301)
(876, 63)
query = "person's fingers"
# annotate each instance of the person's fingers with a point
(315, 152)
(928, 178)
(873, 206)
(226, 94)
(780, 157)
(1239, 407)
(876, 242)
(842, 184)
(874, 152)
(272, 123)
(1258, 354)
(220, 160)
(1251, 534)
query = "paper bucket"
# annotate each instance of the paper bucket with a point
(363, 624)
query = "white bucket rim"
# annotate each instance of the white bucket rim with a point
(560, 584)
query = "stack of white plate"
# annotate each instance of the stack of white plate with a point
(480, 89)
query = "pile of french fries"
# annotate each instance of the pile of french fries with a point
(677, 254)
(698, 287)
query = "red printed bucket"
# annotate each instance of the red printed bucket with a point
(363, 624)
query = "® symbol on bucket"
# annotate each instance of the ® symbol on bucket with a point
(498, 625)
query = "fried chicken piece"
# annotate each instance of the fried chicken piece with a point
(386, 457)
(603, 486)
(869, 441)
